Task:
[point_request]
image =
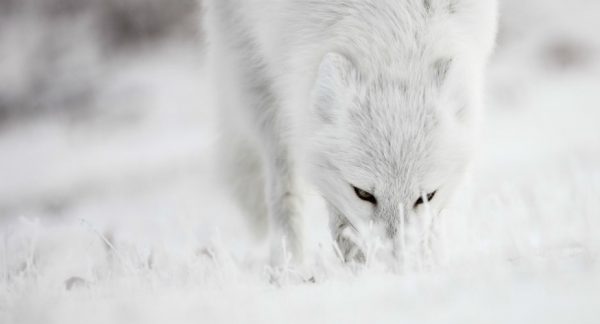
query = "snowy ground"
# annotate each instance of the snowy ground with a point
(120, 218)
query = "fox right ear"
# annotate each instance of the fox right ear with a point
(333, 85)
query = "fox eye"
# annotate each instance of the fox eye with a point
(363, 195)
(429, 197)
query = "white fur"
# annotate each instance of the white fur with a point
(379, 94)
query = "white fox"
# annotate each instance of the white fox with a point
(375, 102)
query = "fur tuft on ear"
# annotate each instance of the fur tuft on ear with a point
(333, 85)
(441, 68)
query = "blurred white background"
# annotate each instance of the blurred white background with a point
(110, 208)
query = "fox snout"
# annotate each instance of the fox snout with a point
(395, 219)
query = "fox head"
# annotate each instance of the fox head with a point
(388, 148)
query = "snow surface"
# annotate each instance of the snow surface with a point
(121, 218)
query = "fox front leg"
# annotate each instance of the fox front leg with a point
(284, 206)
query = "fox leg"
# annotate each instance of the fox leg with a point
(262, 172)
(247, 81)
(242, 167)
(281, 181)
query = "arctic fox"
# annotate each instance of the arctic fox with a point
(374, 102)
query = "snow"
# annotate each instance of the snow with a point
(121, 218)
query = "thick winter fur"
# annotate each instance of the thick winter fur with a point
(382, 95)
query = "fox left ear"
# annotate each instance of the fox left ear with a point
(441, 67)
(333, 85)
(441, 73)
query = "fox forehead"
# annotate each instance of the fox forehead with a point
(386, 125)
(389, 128)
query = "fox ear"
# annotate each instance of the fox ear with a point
(441, 67)
(333, 86)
